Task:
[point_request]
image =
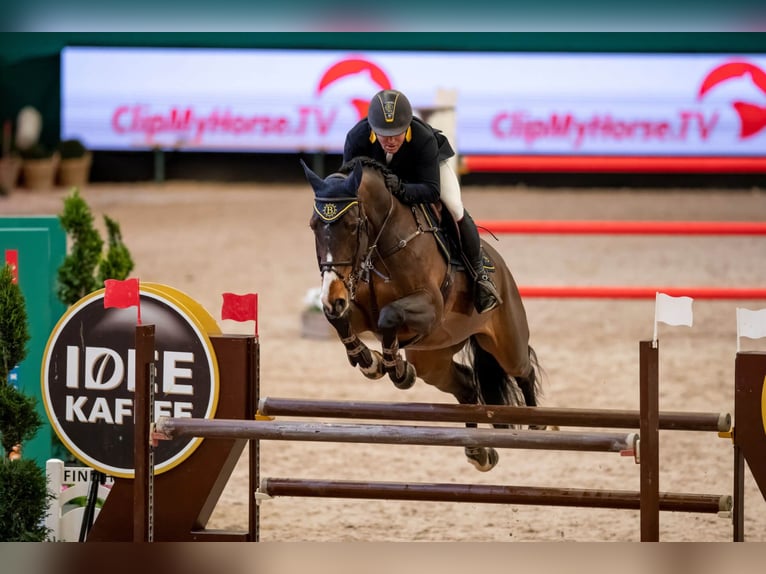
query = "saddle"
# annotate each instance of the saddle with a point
(446, 234)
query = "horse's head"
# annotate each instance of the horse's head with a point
(337, 224)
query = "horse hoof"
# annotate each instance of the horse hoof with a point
(375, 370)
(483, 459)
(408, 380)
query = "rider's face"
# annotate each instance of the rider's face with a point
(391, 144)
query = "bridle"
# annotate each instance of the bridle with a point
(325, 266)
(363, 260)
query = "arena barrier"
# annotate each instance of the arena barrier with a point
(649, 500)
(610, 164)
(633, 292)
(595, 227)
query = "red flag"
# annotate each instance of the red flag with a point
(12, 259)
(240, 308)
(122, 294)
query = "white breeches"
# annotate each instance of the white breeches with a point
(450, 191)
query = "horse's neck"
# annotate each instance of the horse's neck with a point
(380, 206)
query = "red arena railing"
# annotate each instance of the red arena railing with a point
(584, 227)
(595, 227)
(642, 292)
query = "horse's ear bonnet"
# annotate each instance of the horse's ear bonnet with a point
(334, 195)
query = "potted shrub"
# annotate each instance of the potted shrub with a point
(10, 168)
(74, 164)
(38, 162)
(38, 166)
(10, 163)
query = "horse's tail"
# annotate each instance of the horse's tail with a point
(535, 377)
(495, 387)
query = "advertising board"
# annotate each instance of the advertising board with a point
(294, 101)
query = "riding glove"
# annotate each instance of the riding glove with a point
(393, 183)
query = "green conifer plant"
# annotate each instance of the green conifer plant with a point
(24, 501)
(14, 332)
(117, 263)
(86, 266)
(24, 497)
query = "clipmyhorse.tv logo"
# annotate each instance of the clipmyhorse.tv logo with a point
(752, 116)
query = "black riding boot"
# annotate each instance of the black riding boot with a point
(486, 296)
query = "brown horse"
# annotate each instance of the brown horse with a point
(383, 273)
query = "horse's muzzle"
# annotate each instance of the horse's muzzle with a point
(337, 312)
(335, 297)
(338, 308)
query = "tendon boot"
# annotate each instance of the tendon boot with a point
(486, 296)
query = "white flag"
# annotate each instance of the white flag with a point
(673, 310)
(751, 324)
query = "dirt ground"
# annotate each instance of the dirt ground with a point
(206, 239)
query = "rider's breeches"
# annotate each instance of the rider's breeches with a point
(450, 191)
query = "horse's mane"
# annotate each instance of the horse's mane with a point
(348, 166)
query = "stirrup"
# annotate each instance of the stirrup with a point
(486, 297)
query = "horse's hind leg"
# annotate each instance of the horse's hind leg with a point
(438, 368)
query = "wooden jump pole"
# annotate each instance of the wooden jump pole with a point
(395, 434)
(491, 494)
(491, 414)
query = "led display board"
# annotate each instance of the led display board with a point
(506, 103)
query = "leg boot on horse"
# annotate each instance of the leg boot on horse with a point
(486, 296)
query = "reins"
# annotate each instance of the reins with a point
(367, 264)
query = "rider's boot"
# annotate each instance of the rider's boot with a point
(486, 296)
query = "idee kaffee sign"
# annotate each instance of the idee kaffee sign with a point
(88, 376)
(506, 103)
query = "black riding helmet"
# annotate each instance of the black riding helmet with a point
(390, 113)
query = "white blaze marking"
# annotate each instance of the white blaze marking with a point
(327, 278)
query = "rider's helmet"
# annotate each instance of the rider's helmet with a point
(390, 113)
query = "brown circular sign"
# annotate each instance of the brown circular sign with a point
(88, 376)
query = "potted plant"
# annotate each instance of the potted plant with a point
(38, 167)
(39, 162)
(10, 163)
(10, 168)
(74, 164)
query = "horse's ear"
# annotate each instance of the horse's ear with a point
(355, 178)
(316, 182)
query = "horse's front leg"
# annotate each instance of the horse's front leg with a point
(416, 313)
(359, 355)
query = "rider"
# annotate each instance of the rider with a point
(417, 155)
